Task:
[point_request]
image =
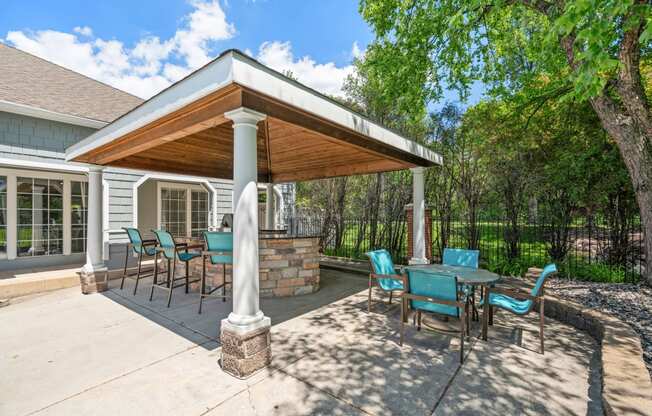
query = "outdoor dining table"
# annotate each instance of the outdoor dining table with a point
(468, 276)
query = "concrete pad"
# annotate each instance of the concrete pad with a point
(283, 395)
(188, 383)
(54, 350)
(508, 375)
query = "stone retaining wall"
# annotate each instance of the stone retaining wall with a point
(626, 384)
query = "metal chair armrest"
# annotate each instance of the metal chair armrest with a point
(515, 293)
(149, 242)
(386, 276)
(193, 246)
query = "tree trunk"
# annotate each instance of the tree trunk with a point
(636, 150)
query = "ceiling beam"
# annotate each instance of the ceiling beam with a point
(339, 170)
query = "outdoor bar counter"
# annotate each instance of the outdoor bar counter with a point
(289, 265)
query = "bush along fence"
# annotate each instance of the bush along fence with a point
(585, 247)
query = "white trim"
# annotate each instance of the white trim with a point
(12, 216)
(171, 178)
(235, 67)
(33, 164)
(30, 111)
(67, 214)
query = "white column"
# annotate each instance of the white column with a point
(418, 218)
(270, 207)
(94, 232)
(246, 315)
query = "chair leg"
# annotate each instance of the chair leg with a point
(491, 315)
(187, 276)
(400, 342)
(541, 322)
(140, 263)
(202, 282)
(224, 282)
(369, 300)
(418, 320)
(463, 319)
(155, 282)
(124, 272)
(390, 297)
(171, 279)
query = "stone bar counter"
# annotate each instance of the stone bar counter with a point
(289, 265)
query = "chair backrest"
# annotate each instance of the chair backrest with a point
(135, 239)
(541, 280)
(219, 241)
(461, 257)
(433, 284)
(381, 263)
(166, 242)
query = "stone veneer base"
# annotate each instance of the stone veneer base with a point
(245, 353)
(93, 282)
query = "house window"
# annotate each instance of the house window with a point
(173, 211)
(199, 208)
(78, 215)
(3, 216)
(184, 209)
(40, 216)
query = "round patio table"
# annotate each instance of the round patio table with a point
(469, 276)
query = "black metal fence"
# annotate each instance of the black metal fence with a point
(588, 248)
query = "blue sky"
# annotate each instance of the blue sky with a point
(142, 46)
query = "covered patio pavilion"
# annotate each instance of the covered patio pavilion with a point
(237, 119)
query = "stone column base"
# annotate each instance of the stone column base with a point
(417, 261)
(94, 281)
(245, 352)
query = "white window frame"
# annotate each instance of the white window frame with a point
(188, 187)
(12, 207)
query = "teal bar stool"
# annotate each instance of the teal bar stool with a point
(219, 249)
(464, 258)
(141, 248)
(173, 252)
(519, 302)
(434, 292)
(383, 272)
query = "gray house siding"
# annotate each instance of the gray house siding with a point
(22, 135)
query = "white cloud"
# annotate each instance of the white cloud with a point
(151, 65)
(154, 63)
(324, 77)
(83, 30)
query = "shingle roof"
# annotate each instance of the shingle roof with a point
(29, 80)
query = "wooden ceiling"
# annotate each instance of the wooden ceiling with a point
(292, 145)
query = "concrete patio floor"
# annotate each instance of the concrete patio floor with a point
(63, 353)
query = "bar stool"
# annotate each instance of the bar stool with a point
(173, 251)
(141, 248)
(219, 248)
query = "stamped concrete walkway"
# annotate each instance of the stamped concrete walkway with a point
(115, 354)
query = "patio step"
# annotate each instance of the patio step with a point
(28, 282)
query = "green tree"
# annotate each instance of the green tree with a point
(585, 49)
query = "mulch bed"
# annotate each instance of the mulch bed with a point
(631, 303)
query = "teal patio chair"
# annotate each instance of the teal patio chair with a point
(173, 252)
(219, 249)
(464, 258)
(384, 273)
(519, 302)
(141, 248)
(434, 292)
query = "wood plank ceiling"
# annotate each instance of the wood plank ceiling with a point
(292, 144)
